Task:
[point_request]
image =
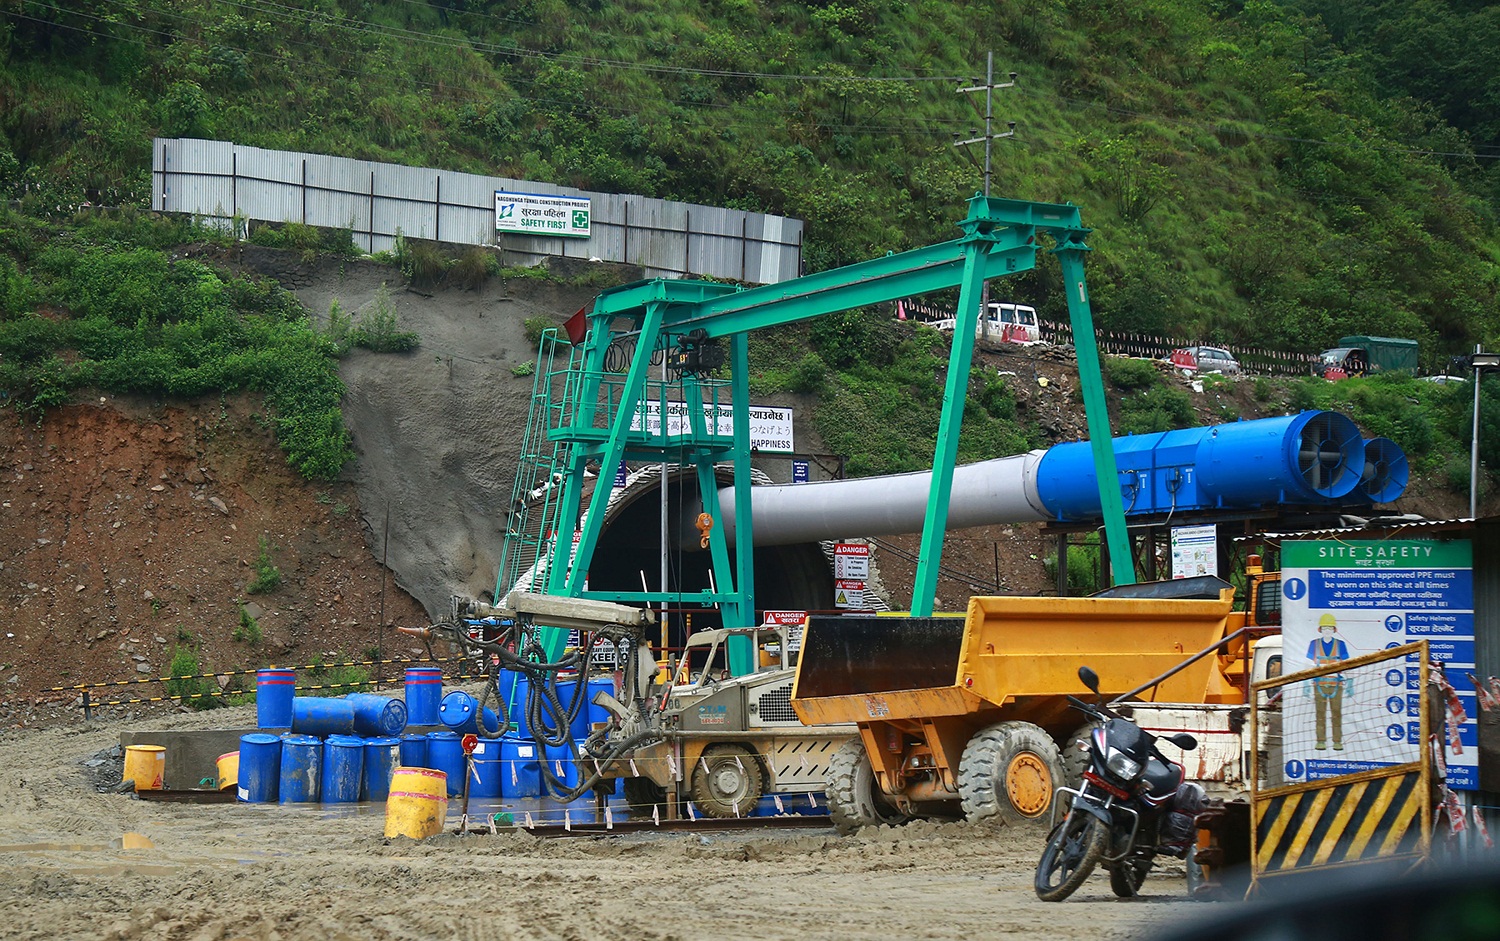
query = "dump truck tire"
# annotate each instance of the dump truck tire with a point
(727, 782)
(854, 800)
(1074, 759)
(1009, 770)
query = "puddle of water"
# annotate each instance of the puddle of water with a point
(127, 841)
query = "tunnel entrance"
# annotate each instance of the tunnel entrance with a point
(629, 557)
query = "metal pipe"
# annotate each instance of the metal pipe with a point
(1314, 458)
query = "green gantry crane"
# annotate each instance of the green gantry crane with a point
(602, 416)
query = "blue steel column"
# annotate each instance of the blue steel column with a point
(955, 393)
(1069, 251)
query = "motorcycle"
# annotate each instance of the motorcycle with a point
(1132, 805)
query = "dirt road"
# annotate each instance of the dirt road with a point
(214, 872)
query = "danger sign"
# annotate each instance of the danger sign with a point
(849, 593)
(851, 560)
(793, 619)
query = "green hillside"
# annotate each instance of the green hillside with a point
(1266, 172)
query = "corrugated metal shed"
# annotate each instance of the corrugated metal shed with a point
(376, 201)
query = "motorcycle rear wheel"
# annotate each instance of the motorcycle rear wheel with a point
(1073, 849)
(1126, 877)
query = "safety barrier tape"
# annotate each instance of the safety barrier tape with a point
(249, 672)
(224, 693)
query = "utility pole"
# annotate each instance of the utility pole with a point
(988, 137)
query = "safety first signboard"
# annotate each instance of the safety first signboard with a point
(1342, 599)
(534, 214)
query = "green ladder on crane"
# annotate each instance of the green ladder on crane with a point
(531, 522)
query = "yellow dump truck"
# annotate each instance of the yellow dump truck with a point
(970, 714)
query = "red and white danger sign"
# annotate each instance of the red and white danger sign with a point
(851, 561)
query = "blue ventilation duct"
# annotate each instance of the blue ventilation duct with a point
(1315, 458)
(1386, 471)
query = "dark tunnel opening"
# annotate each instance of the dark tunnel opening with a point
(629, 556)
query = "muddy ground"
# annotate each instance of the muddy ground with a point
(243, 871)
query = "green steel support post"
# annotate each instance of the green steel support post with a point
(708, 489)
(1070, 251)
(741, 650)
(561, 578)
(945, 454)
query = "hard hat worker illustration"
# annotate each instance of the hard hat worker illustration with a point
(1329, 691)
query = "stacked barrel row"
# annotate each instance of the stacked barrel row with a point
(348, 749)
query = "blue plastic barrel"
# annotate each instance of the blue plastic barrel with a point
(382, 758)
(414, 750)
(377, 715)
(260, 767)
(560, 763)
(489, 773)
(274, 690)
(520, 767)
(314, 715)
(460, 713)
(446, 753)
(301, 769)
(424, 692)
(519, 724)
(343, 769)
(588, 713)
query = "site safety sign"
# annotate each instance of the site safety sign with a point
(1342, 599)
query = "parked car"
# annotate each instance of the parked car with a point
(1196, 360)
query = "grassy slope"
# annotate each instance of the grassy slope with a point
(1184, 134)
(1244, 180)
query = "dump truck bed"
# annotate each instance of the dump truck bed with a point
(1020, 653)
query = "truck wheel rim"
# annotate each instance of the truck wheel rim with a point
(728, 782)
(1028, 784)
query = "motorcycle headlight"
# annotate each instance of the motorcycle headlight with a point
(1122, 765)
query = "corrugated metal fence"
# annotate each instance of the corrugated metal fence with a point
(219, 179)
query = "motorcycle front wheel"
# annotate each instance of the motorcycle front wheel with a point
(1073, 849)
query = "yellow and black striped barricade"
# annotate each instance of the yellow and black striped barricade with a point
(1381, 813)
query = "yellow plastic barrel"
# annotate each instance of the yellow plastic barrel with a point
(229, 770)
(418, 803)
(144, 764)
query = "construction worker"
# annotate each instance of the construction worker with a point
(1328, 691)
